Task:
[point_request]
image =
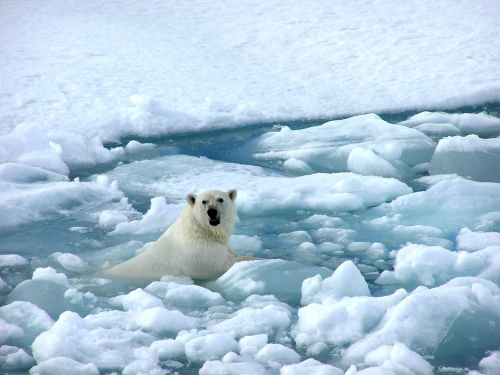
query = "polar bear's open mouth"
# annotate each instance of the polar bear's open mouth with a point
(214, 223)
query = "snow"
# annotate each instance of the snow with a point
(378, 226)
(201, 69)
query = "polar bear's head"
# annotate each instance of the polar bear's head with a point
(214, 209)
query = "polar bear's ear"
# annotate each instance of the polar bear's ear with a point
(191, 198)
(232, 194)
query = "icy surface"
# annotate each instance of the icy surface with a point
(359, 273)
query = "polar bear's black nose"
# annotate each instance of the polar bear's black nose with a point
(212, 213)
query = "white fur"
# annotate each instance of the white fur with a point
(191, 246)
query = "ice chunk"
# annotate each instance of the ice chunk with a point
(210, 347)
(366, 162)
(12, 261)
(100, 339)
(18, 360)
(341, 322)
(295, 238)
(430, 266)
(162, 322)
(490, 364)
(278, 353)
(327, 147)
(9, 332)
(249, 321)
(70, 262)
(386, 356)
(158, 218)
(438, 131)
(278, 277)
(173, 293)
(29, 317)
(64, 366)
(4, 286)
(46, 294)
(470, 157)
(345, 281)
(109, 219)
(426, 319)
(250, 345)
(139, 300)
(50, 274)
(25, 203)
(245, 245)
(297, 166)
(28, 144)
(472, 241)
(80, 152)
(260, 191)
(449, 204)
(134, 147)
(168, 349)
(416, 230)
(469, 123)
(142, 366)
(312, 367)
(237, 368)
(19, 173)
(357, 247)
(428, 181)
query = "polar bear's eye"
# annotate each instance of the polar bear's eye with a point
(221, 200)
(204, 202)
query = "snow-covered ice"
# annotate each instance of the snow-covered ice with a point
(378, 227)
(471, 157)
(363, 144)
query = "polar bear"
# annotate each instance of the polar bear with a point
(196, 245)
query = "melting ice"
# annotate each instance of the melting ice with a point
(381, 245)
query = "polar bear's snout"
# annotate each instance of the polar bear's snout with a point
(213, 216)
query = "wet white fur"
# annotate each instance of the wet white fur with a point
(191, 246)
